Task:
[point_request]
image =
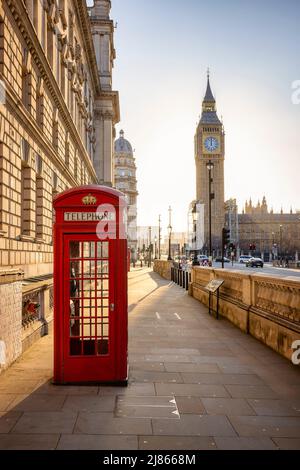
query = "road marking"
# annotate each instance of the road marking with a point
(177, 316)
(158, 316)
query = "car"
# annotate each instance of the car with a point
(244, 258)
(255, 263)
(219, 259)
(202, 258)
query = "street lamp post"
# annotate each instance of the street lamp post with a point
(210, 167)
(155, 247)
(159, 235)
(150, 250)
(280, 238)
(170, 233)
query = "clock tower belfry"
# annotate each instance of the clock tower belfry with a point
(210, 147)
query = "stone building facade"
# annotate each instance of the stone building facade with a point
(57, 117)
(126, 182)
(273, 234)
(210, 147)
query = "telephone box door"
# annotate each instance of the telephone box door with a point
(89, 350)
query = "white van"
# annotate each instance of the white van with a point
(244, 258)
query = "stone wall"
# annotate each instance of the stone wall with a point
(266, 307)
(10, 316)
(163, 268)
(41, 324)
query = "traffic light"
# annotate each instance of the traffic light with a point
(226, 236)
(252, 246)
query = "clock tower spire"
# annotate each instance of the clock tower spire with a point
(210, 147)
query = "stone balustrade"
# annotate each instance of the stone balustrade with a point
(266, 307)
(163, 268)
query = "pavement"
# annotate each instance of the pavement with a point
(194, 383)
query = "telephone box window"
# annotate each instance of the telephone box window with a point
(89, 298)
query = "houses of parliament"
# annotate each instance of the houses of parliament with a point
(272, 234)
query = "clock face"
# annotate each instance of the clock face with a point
(211, 144)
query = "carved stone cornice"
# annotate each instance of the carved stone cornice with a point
(20, 15)
(87, 39)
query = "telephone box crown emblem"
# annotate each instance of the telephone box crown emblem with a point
(89, 200)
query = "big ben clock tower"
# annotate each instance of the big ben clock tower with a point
(210, 147)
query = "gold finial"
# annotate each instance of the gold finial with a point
(89, 200)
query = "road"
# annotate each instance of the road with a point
(267, 269)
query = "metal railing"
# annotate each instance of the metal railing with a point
(181, 277)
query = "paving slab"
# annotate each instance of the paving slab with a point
(90, 403)
(187, 405)
(245, 443)
(275, 407)
(191, 390)
(194, 425)
(287, 444)
(176, 443)
(8, 420)
(153, 376)
(41, 402)
(221, 379)
(272, 426)
(106, 423)
(181, 367)
(5, 400)
(28, 441)
(45, 422)
(97, 442)
(227, 406)
(251, 391)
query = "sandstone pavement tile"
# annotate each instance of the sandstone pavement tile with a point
(221, 379)
(97, 442)
(267, 426)
(245, 443)
(275, 407)
(153, 376)
(176, 351)
(286, 443)
(8, 420)
(148, 366)
(37, 402)
(285, 390)
(176, 443)
(227, 406)
(195, 390)
(167, 358)
(190, 405)
(50, 388)
(28, 441)
(191, 367)
(236, 369)
(5, 400)
(106, 423)
(46, 422)
(133, 389)
(194, 425)
(16, 386)
(251, 391)
(90, 403)
(211, 359)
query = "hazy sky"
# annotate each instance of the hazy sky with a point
(252, 48)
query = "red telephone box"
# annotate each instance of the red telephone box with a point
(90, 286)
